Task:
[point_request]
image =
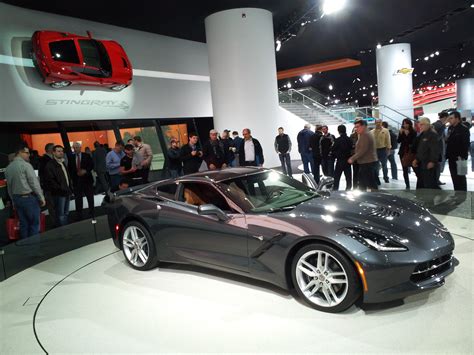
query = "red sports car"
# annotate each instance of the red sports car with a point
(64, 59)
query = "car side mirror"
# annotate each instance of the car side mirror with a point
(309, 181)
(326, 184)
(212, 210)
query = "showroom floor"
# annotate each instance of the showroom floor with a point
(89, 300)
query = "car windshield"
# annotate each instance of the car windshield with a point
(267, 192)
(95, 55)
(64, 51)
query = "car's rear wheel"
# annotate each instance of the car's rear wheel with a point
(60, 84)
(138, 246)
(324, 278)
(118, 87)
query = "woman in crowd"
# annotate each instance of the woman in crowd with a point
(406, 138)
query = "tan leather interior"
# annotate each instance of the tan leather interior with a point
(192, 198)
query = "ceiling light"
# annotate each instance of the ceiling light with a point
(329, 97)
(436, 71)
(463, 65)
(331, 87)
(472, 5)
(379, 46)
(332, 6)
(348, 93)
(391, 41)
(336, 101)
(303, 23)
(424, 73)
(364, 95)
(426, 58)
(288, 85)
(372, 93)
(417, 59)
(437, 52)
(278, 43)
(357, 79)
(432, 55)
(306, 77)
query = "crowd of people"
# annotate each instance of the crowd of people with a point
(62, 177)
(217, 153)
(422, 147)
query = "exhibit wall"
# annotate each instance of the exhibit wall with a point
(170, 75)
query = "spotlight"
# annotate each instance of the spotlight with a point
(332, 6)
(379, 46)
(426, 58)
(278, 43)
(331, 87)
(437, 52)
(288, 85)
(424, 73)
(372, 93)
(463, 65)
(306, 77)
(432, 55)
(391, 41)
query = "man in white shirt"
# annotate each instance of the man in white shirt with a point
(250, 152)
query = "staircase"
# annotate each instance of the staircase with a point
(308, 108)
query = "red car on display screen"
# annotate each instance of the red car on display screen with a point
(65, 59)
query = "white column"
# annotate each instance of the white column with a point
(243, 74)
(465, 97)
(395, 88)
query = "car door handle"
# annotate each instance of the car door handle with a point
(259, 237)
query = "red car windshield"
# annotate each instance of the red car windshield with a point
(64, 51)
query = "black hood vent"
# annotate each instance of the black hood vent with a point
(384, 212)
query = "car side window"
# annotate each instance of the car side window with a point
(198, 194)
(167, 190)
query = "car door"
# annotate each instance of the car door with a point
(204, 239)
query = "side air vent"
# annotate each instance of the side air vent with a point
(384, 212)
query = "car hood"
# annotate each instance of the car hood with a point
(118, 59)
(377, 211)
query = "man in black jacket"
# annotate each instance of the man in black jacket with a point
(175, 166)
(427, 155)
(283, 148)
(341, 151)
(191, 155)
(314, 145)
(99, 159)
(58, 182)
(80, 167)
(391, 154)
(250, 152)
(440, 127)
(457, 148)
(213, 152)
(327, 162)
(44, 160)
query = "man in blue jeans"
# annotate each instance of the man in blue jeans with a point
(25, 191)
(304, 147)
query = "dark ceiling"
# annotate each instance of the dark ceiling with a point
(446, 26)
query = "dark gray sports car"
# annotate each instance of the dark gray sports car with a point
(332, 248)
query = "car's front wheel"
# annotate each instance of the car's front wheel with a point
(138, 246)
(60, 84)
(324, 278)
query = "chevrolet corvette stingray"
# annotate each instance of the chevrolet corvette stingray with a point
(65, 59)
(332, 248)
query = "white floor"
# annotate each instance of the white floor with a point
(107, 307)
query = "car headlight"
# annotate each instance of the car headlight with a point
(374, 240)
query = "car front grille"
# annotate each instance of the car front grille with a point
(428, 269)
(384, 212)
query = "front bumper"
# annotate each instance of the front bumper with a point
(397, 281)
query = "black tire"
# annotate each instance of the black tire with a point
(351, 294)
(152, 260)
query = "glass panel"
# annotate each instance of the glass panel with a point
(64, 51)
(149, 136)
(87, 139)
(176, 131)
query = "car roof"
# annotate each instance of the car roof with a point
(221, 175)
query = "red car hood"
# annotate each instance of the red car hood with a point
(118, 59)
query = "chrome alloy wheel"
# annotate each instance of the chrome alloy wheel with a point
(135, 246)
(60, 84)
(118, 87)
(321, 278)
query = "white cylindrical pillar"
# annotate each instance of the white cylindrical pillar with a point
(394, 80)
(243, 74)
(465, 97)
